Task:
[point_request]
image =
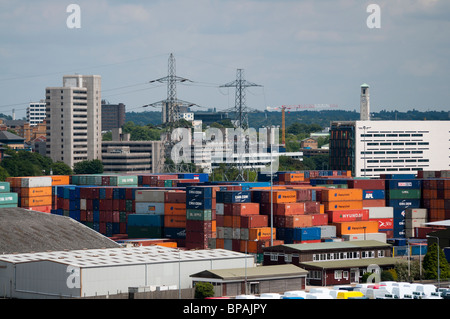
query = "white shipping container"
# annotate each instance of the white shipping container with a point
(220, 208)
(236, 233)
(149, 208)
(154, 195)
(244, 234)
(82, 203)
(327, 231)
(227, 233)
(416, 213)
(220, 232)
(380, 212)
(416, 222)
(36, 181)
(368, 236)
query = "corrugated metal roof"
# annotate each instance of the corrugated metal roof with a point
(26, 231)
(334, 245)
(122, 256)
(287, 270)
(350, 263)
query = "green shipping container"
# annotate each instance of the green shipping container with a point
(123, 217)
(199, 214)
(404, 194)
(8, 198)
(8, 205)
(130, 180)
(5, 187)
(129, 205)
(144, 232)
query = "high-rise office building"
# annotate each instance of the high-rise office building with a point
(113, 115)
(74, 121)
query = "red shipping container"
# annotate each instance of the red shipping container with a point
(312, 207)
(115, 216)
(304, 195)
(198, 225)
(366, 183)
(89, 215)
(385, 223)
(319, 219)
(115, 204)
(105, 204)
(83, 216)
(175, 197)
(123, 227)
(102, 227)
(347, 215)
(254, 221)
(286, 209)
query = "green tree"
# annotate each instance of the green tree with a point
(60, 168)
(203, 290)
(88, 167)
(430, 263)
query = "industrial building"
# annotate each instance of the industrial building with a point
(372, 148)
(100, 272)
(48, 256)
(333, 263)
(124, 156)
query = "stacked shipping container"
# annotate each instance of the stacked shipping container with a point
(7, 198)
(34, 193)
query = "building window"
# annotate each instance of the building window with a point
(381, 253)
(273, 257)
(338, 274)
(288, 258)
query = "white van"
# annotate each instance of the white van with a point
(269, 296)
(401, 291)
(426, 289)
(318, 296)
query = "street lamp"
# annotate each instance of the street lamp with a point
(438, 269)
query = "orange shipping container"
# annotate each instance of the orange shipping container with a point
(342, 194)
(296, 221)
(374, 203)
(175, 209)
(175, 221)
(261, 233)
(60, 180)
(243, 209)
(35, 191)
(344, 205)
(356, 227)
(36, 201)
(285, 209)
(280, 196)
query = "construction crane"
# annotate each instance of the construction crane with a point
(294, 107)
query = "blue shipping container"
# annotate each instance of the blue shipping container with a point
(199, 203)
(374, 194)
(406, 183)
(233, 196)
(198, 192)
(403, 203)
(397, 176)
(174, 233)
(145, 220)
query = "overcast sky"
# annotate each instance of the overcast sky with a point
(300, 52)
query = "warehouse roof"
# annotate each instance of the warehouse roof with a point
(350, 263)
(26, 231)
(287, 270)
(330, 245)
(123, 256)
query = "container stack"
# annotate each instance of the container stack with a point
(436, 198)
(374, 194)
(200, 216)
(7, 198)
(344, 208)
(402, 191)
(34, 193)
(414, 218)
(175, 216)
(148, 220)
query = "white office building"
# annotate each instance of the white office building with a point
(36, 113)
(371, 148)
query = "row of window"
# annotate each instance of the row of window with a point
(391, 152)
(396, 143)
(393, 135)
(347, 255)
(408, 160)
